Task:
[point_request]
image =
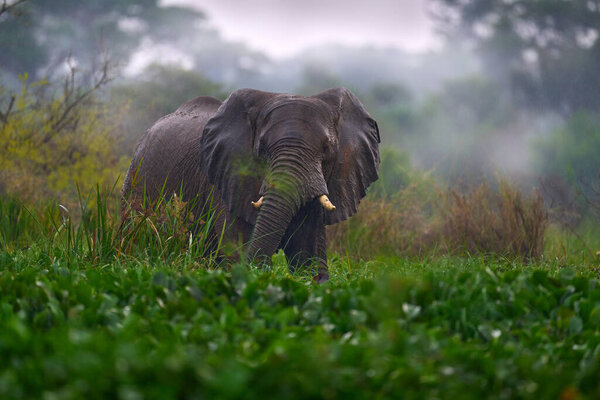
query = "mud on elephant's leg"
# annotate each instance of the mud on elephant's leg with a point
(304, 242)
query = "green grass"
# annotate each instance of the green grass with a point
(79, 323)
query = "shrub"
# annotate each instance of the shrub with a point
(481, 221)
(400, 224)
(486, 221)
(49, 141)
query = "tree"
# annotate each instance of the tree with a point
(51, 140)
(5, 6)
(49, 31)
(548, 51)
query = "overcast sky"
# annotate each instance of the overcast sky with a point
(284, 27)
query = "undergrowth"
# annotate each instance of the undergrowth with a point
(102, 230)
(437, 328)
(93, 305)
(445, 221)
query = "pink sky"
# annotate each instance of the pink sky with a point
(284, 27)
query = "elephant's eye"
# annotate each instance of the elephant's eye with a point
(327, 148)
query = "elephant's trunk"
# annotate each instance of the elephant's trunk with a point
(274, 217)
(292, 183)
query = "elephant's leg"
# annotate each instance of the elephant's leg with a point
(321, 254)
(304, 242)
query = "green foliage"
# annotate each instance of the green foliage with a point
(48, 142)
(443, 328)
(97, 307)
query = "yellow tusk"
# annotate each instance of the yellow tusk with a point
(326, 203)
(258, 203)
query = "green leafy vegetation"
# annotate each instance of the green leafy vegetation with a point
(51, 138)
(432, 328)
(87, 314)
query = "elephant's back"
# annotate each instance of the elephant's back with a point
(183, 127)
(169, 151)
(200, 107)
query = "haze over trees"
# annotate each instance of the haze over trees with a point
(547, 56)
(547, 51)
(512, 91)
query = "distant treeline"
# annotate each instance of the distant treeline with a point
(500, 99)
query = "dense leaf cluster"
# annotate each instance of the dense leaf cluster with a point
(442, 329)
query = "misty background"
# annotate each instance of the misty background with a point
(464, 90)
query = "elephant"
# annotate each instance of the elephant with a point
(278, 167)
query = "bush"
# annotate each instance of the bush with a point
(501, 222)
(397, 225)
(49, 141)
(482, 221)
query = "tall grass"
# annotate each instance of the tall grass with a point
(18, 225)
(101, 229)
(398, 225)
(482, 221)
(411, 222)
(502, 222)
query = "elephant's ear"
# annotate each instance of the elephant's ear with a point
(357, 162)
(227, 155)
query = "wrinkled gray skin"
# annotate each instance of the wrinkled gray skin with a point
(290, 149)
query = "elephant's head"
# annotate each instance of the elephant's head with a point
(270, 154)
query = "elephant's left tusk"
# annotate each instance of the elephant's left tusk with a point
(258, 203)
(326, 203)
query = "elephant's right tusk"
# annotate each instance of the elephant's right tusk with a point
(258, 203)
(326, 203)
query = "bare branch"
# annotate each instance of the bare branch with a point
(71, 102)
(9, 7)
(4, 115)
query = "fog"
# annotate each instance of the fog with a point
(285, 28)
(467, 92)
